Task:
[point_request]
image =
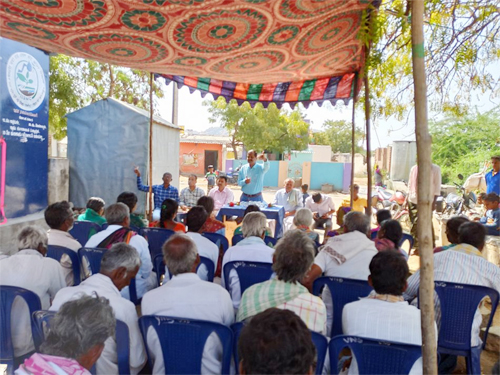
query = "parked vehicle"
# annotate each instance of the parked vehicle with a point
(232, 176)
(460, 203)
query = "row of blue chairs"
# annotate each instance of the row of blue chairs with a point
(458, 302)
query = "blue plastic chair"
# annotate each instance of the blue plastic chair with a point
(459, 303)
(83, 230)
(93, 257)
(56, 253)
(375, 356)
(218, 239)
(161, 269)
(182, 342)
(249, 273)
(320, 342)
(42, 318)
(156, 237)
(270, 241)
(343, 292)
(7, 296)
(409, 238)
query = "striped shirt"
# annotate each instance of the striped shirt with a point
(285, 296)
(461, 264)
(190, 197)
(161, 193)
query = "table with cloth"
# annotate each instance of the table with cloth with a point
(273, 213)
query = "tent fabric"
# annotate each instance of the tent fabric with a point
(299, 44)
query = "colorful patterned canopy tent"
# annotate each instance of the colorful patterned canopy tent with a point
(256, 50)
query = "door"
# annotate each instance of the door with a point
(211, 158)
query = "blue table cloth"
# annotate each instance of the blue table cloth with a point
(273, 213)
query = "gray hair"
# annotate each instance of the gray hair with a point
(288, 179)
(120, 255)
(179, 253)
(355, 220)
(117, 213)
(254, 224)
(31, 237)
(78, 326)
(293, 256)
(303, 216)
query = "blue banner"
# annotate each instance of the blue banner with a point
(24, 121)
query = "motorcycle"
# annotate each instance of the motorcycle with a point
(232, 176)
(394, 202)
(462, 203)
(381, 198)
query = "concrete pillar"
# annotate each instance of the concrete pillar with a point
(306, 173)
(283, 172)
(58, 180)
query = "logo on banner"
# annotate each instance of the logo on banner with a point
(25, 81)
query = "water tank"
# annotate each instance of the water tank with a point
(403, 157)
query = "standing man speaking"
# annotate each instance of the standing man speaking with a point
(251, 177)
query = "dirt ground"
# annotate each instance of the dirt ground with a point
(488, 358)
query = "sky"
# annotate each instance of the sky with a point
(193, 115)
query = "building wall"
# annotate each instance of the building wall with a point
(192, 157)
(327, 173)
(321, 153)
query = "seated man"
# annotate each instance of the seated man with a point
(94, 211)
(462, 264)
(262, 351)
(252, 248)
(492, 219)
(187, 296)
(293, 257)
(30, 269)
(59, 217)
(347, 255)
(195, 219)
(322, 208)
(190, 195)
(118, 217)
(130, 200)
(221, 194)
(291, 200)
(119, 265)
(452, 226)
(384, 314)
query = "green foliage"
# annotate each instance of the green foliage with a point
(338, 134)
(462, 145)
(260, 128)
(75, 83)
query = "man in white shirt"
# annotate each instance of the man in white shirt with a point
(30, 269)
(347, 255)
(118, 218)
(119, 265)
(59, 217)
(187, 296)
(221, 194)
(384, 314)
(291, 200)
(190, 195)
(322, 207)
(195, 219)
(252, 248)
(413, 198)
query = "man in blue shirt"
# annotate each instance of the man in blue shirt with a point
(493, 176)
(251, 177)
(161, 192)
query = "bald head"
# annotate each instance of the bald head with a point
(180, 254)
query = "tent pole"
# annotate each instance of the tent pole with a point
(424, 229)
(368, 151)
(351, 188)
(150, 212)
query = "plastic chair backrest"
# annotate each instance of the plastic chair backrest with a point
(269, 241)
(182, 342)
(407, 237)
(56, 253)
(83, 230)
(218, 239)
(43, 317)
(93, 257)
(320, 342)
(161, 269)
(236, 238)
(459, 303)
(374, 234)
(249, 273)
(156, 237)
(343, 292)
(7, 296)
(375, 356)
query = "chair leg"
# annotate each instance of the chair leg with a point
(474, 361)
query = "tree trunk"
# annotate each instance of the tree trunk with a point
(150, 213)
(112, 82)
(424, 229)
(353, 140)
(368, 152)
(233, 143)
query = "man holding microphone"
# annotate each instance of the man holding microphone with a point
(251, 177)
